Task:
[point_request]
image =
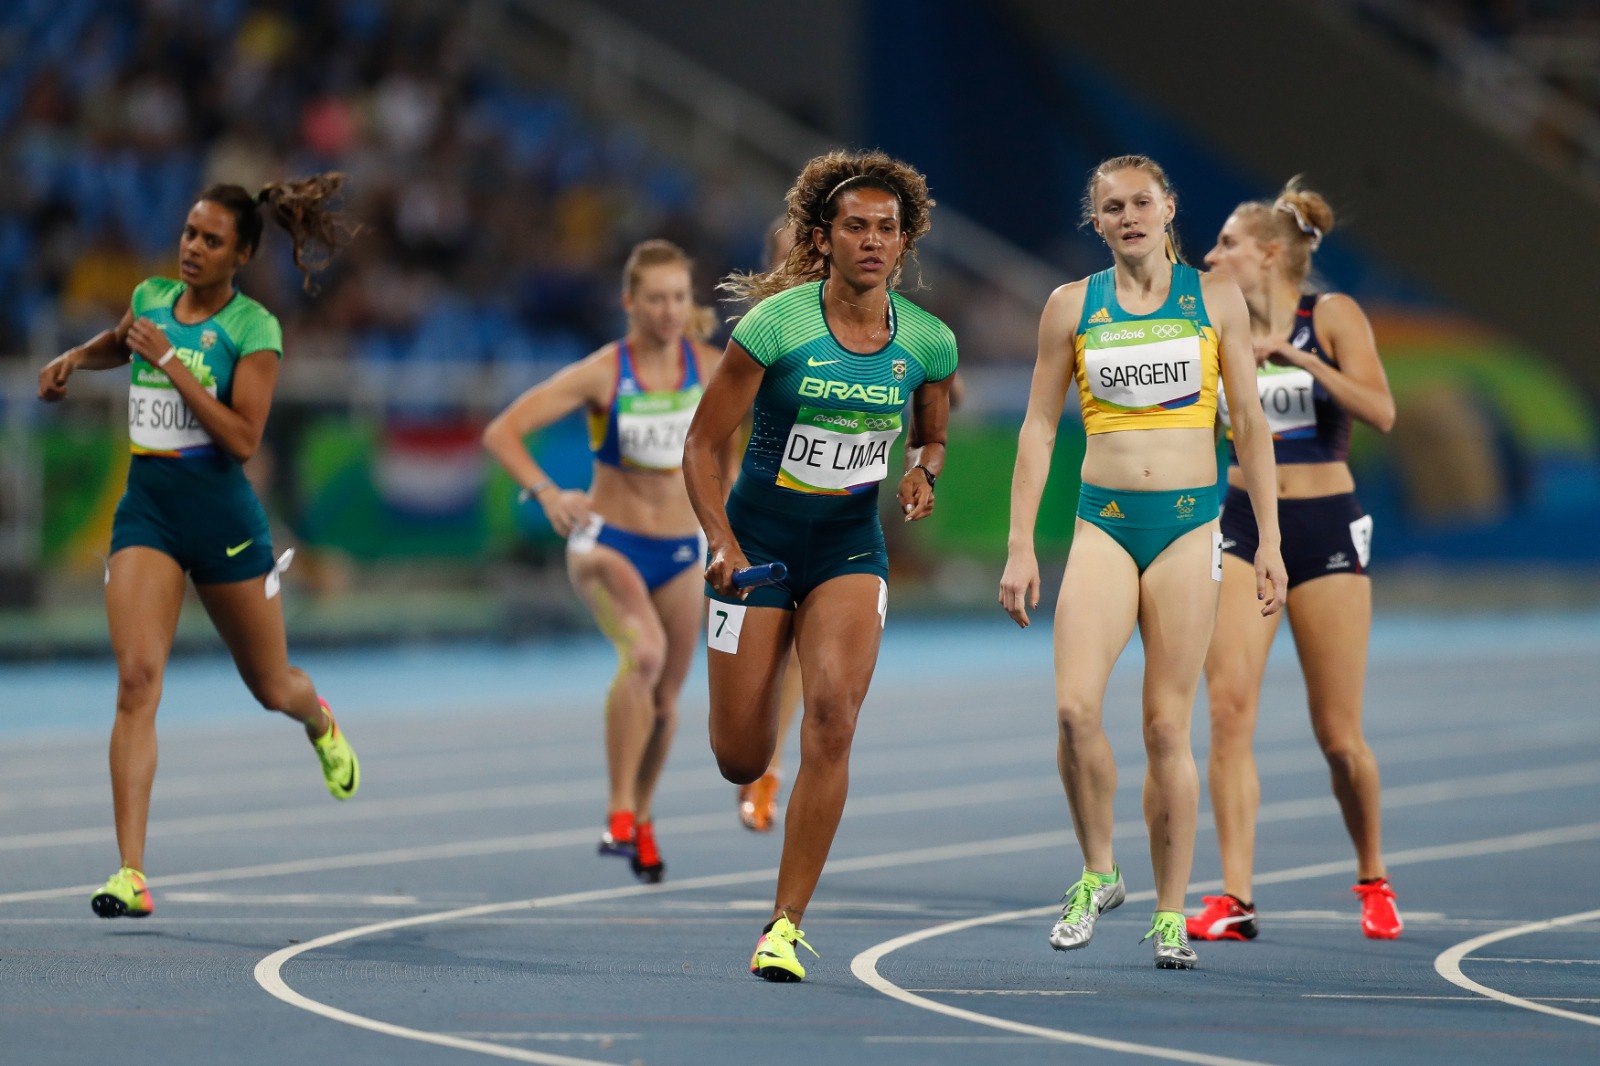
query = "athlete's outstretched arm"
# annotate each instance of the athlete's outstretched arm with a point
(106, 349)
(584, 383)
(1058, 327)
(925, 445)
(1252, 438)
(729, 394)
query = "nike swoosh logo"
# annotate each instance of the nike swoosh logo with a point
(235, 551)
(814, 361)
(863, 555)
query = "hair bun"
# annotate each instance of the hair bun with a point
(1310, 208)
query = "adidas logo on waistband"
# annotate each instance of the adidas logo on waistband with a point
(1099, 317)
(1111, 510)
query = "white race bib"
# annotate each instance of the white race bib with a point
(724, 621)
(158, 418)
(1286, 399)
(835, 452)
(1140, 365)
(652, 426)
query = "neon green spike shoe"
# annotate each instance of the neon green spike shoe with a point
(1172, 941)
(775, 959)
(124, 896)
(340, 769)
(1085, 901)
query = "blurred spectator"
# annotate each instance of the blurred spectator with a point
(1534, 63)
(94, 293)
(472, 189)
(495, 215)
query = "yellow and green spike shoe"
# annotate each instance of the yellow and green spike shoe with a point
(774, 959)
(124, 896)
(340, 769)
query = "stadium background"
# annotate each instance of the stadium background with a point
(504, 155)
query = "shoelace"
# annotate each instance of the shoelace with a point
(1376, 888)
(1078, 899)
(796, 937)
(1169, 933)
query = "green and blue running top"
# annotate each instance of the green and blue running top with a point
(159, 422)
(825, 417)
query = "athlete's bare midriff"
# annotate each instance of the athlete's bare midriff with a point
(653, 503)
(1304, 481)
(1151, 460)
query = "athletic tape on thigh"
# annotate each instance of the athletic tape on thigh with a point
(1361, 537)
(883, 602)
(582, 539)
(1216, 555)
(723, 623)
(274, 583)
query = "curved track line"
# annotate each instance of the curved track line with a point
(268, 972)
(865, 968)
(1448, 965)
(865, 965)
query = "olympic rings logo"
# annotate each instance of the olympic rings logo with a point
(1166, 332)
(879, 423)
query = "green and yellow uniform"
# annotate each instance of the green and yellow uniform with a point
(825, 419)
(185, 496)
(1151, 371)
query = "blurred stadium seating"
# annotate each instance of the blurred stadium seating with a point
(504, 155)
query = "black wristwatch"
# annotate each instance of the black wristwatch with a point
(932, 479)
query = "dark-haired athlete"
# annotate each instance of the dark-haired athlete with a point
(828, 358)
(205, 362)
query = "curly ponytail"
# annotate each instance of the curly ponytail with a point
(302, 208)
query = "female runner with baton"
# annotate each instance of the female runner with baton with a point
(828, 357)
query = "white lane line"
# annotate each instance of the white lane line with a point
(1448, 965)
(897, 803)
(246, 780)
(865, 965)
(950, 1040)
(1008, 991)
(1449, 999)
(1430, 999)
(520, 796)
(297, 899)
(268, 972)
(995, 754)
(900, 803)
(404, 808)
(603, 1039)
(1538, 962)
(865, 968)
(242, 783)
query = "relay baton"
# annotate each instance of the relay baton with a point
(753, 577)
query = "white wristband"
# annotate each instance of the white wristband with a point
(170, 352)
